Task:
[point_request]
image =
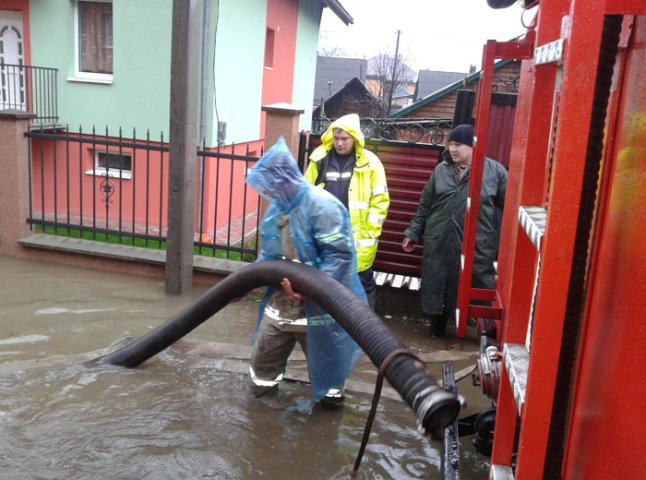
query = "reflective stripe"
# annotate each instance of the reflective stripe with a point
(333, 237)
(283, 257)
(274, 314)
(320, 320)
(264, 383)
(358, 205)
(334, 176)
(335, 393)
(299, 322)
(368, 242)
(379, 220)
(379, 190)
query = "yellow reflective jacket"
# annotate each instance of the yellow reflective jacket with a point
(368, 197)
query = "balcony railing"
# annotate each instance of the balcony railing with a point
(31, 89)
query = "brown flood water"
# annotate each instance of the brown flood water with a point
(186, 413)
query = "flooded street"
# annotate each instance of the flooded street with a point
(185, 413)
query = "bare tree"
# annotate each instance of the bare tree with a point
(332, 52)
(389, 72)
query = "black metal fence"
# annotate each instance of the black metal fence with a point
(412, 130)
(32, 89)
(115, 189)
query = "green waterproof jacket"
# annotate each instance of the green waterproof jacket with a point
(368, 197)
(439, 221)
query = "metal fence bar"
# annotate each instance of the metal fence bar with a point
(42, 180)
(215, 209)
(30, 170)
(230, 206)
(161, 194)
(120, 185)
(147, 185)
(67, 184)
(201, 162)
(133, 210)
(80, 144)
(55, 150)
(244, 205)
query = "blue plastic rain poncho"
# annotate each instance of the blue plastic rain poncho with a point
(322, 235)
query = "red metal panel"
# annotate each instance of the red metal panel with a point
(607, 433)
(408, 168)
(500, 132)
(580, 61)
(626, 7)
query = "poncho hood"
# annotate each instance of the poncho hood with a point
(277, 177)
(351, 125)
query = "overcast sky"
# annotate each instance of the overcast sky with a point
(446, 35)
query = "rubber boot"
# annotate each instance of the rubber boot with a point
(372, 299)
(438, 325)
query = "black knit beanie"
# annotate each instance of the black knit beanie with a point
(462, 134)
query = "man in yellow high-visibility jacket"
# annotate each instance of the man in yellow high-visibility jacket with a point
(342, 166)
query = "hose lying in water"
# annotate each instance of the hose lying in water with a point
(434, 407)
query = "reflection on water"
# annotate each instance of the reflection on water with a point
(177, 416)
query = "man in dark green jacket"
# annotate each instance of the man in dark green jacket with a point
(439, 221)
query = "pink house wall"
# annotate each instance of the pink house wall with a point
(278, 79)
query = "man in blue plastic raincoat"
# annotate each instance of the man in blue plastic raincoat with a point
(309, 225)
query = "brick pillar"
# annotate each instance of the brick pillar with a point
(14, 181)
(282, 119)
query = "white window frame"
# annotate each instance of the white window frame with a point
(80, 76)
(111, 171)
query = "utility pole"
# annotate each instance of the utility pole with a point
(393, 76)
(183, 142)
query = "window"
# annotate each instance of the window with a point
(113, 163)
(94, 40)
(269, 48)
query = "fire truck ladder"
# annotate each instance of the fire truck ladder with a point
(544, 250)
(466, 293)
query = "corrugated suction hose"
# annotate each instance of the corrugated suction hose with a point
(434, 407)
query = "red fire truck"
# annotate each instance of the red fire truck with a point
(562, 341)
